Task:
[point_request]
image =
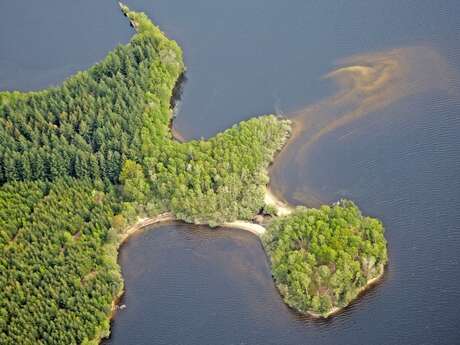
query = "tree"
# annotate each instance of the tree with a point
(135, 186)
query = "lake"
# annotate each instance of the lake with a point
(373, 90)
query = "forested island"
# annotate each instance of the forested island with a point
(83, 164)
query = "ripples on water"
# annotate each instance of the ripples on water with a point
(381, 128)
(367, 84)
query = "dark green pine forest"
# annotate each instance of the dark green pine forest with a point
(81, 162)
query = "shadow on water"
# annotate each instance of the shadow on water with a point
(177, 92)
(175, 104)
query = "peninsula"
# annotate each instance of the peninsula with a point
(85, 164)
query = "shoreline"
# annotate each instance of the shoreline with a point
(252, 227)
(123, 237)
(144, 222)
(282, 208)
(337, 310)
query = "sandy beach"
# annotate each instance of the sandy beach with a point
(282, 208)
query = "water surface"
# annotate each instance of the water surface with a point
(381, 130)
(194, 285)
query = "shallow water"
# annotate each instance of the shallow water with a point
(381, 130)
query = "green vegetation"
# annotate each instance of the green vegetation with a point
(98, 119)
(118, 113)
(322, 258)
(81, 162)
(219, 180)
(58, 276)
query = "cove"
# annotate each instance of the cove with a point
(407, 165)
(170, 266)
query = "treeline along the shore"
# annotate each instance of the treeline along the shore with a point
(82, 162)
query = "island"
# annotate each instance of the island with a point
(86, 164)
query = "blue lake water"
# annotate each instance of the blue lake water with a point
(383, 133)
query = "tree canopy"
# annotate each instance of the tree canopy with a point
(58, 277)
(322, 258)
